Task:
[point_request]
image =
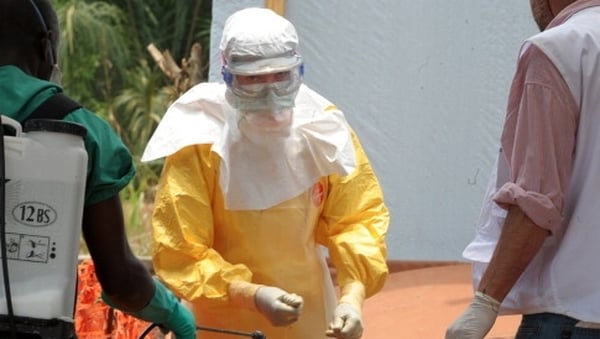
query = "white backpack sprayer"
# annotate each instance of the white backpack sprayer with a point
(43, 174)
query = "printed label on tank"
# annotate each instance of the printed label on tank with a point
(34, 214)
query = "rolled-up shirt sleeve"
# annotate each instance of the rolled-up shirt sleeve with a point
(538, 140)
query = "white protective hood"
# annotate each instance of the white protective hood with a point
(251, 176)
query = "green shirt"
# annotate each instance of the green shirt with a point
(110, 165)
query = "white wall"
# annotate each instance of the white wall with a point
(424, 84)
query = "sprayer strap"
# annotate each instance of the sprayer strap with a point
(56, 107)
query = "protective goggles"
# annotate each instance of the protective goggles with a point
(281, 83)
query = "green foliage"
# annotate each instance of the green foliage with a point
(170, 24)
(94, 51)
(144, 100)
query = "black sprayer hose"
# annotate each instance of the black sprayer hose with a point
(9, 305)
(253, 335)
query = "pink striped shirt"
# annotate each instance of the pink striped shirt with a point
(538, 140)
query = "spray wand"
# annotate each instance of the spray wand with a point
(253, 335)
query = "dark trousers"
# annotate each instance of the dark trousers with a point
(553, 326)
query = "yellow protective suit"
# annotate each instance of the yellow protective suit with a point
(200, 247)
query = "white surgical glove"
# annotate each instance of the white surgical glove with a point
(346, 324)
(477, 320)
(347, 317)
(280, 307)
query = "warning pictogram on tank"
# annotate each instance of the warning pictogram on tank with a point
(35, 214)
(25, 247)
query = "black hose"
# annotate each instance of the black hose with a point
(147, 331)
(253, 335)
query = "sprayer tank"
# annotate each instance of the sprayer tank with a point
(45, 176)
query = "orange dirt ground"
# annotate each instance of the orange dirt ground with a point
(418, 301)
(421, 303)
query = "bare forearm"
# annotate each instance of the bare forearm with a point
(122, 276)
(137, 292)
(519, 242)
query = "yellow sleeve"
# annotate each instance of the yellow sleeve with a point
(182, 229)
(353, 226)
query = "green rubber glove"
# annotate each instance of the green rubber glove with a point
(164, 309)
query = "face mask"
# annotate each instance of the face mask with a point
(266, 129)
(268, 121)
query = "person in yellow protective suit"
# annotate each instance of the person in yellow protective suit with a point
(261, 175)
